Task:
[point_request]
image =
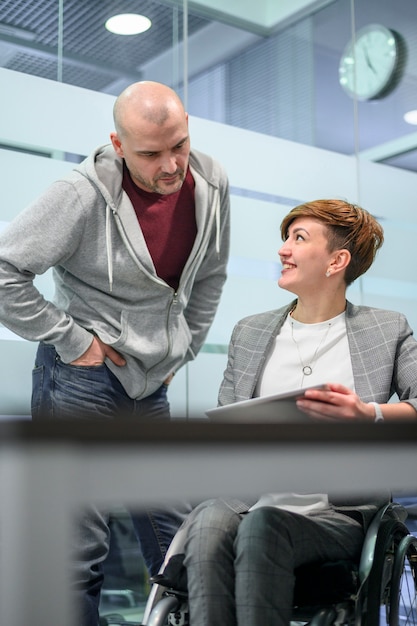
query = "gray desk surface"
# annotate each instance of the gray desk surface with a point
(48, 470)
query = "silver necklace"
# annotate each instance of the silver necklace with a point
(308, 369)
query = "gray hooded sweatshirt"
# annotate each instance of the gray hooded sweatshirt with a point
(85, 228)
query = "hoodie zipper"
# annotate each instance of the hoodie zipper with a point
(173, 302)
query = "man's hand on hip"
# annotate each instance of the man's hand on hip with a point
(97, 353)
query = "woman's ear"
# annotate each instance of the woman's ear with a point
(340, 261)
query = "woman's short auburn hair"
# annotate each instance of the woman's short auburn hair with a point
(349, 227)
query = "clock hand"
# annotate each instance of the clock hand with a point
(368, 61)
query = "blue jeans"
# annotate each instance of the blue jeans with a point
(410, 504)
(65, 391)
(62, 391)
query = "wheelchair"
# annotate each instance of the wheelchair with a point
(380, 589)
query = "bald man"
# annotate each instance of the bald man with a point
(138, 239)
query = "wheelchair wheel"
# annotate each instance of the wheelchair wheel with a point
(404, 584)
(170, 610)
(378, 603)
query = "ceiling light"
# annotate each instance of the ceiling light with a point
(411, 117)
(128, 24)
(16, 31)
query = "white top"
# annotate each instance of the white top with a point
(294, 502)
(323, 348)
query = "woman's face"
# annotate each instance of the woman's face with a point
(304, 256)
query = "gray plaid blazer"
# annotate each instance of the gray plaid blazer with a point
(384, 361)
(382, 349)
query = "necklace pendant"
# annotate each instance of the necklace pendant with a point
(307, 371)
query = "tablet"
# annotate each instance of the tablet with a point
(276, 408)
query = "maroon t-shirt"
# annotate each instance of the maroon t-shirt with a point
(168, 224)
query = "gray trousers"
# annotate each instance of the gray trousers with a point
(240, 566)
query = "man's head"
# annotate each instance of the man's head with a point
(152, 136)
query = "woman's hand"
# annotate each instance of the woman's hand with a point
(334, 403)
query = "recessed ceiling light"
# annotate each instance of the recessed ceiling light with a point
(128, 24)
(16, 31)
(411, 117)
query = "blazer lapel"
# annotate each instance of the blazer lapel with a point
(264, 328)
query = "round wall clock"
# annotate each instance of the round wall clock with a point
(371, 64)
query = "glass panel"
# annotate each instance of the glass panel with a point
(277, 78)
(93, 57)
(287, 84)
(281, 81)
(386, 43)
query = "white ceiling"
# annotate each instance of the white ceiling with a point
(261, 16)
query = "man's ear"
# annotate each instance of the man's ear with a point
(117, 144)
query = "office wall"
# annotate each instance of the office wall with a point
(268, 176)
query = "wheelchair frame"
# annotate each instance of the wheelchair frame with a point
(386, 590)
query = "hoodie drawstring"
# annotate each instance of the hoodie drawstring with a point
(217, 210)
(109, 248)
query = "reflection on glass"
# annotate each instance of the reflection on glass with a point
(279, 78)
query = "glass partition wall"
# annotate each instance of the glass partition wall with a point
(298, 101)
(335, 75)
(287, 72)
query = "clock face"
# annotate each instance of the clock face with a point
(368, 65)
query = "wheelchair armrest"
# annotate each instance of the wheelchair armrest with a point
(174, 575)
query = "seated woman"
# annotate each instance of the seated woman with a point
(240, 560)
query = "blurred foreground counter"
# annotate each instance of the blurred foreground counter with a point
(49, 470)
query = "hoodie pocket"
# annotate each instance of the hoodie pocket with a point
(149, 340)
